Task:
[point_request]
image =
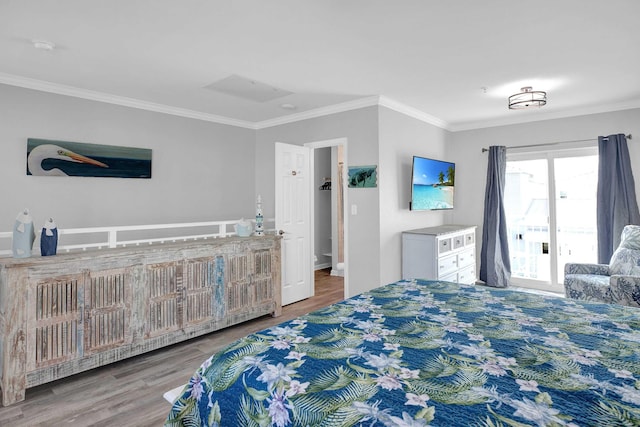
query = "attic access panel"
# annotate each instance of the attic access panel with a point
(245, 88)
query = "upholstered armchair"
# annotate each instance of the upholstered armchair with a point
(618, 282)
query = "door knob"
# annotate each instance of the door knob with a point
(281, 232)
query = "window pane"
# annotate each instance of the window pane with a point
(576, 186)
(527, 211)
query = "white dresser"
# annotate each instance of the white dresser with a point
(445, 252)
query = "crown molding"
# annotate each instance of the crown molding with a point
(381, 101)
(363, 102)
(356, 104)
(413, 112)
(124, 101)
(506, 121)
(368, 101)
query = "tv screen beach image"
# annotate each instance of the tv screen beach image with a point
(432, 184)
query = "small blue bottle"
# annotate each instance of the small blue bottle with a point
(49, 238)
(259, 230)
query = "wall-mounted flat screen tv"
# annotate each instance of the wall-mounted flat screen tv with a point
(432, 183)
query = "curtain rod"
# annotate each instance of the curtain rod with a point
(554, 143)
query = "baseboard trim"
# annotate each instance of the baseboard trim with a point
(339, 273)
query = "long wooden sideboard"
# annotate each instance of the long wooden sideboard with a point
(65, 314)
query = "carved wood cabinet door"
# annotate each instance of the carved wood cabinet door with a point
(107, 309)
(262, 280)
(76, 315)
(163, 311)
(55, 315)
(250, 279)
(203, 285)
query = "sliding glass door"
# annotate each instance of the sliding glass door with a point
(550, 204)
(527, 211)
(576, 186)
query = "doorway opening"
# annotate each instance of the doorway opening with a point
(328, 202)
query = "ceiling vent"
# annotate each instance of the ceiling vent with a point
(245, 88)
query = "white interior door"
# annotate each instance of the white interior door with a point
(293, 219)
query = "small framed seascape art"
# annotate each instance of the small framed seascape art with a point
(363, 176)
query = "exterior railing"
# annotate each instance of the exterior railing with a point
(531, 260)
(96, 238)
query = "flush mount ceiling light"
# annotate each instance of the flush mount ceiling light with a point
(528, 98)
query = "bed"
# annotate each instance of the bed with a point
(418, 353)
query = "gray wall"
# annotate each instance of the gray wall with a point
(201, 171)
(360, 127)
(402, 137)
(465, 147)
(207, 171)
(376, 136)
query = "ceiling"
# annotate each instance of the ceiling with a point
(452, 63)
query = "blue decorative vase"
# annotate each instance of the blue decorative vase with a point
(49, 238)
(23, 235)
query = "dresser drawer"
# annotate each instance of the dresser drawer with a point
(466, 258)
(445, 245)
(470, 239)
(447, 264)
(452, 277)
(467, 275)
(458, 241)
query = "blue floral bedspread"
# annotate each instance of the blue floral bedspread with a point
(428, 353)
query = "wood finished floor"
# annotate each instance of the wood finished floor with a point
(129, 393)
